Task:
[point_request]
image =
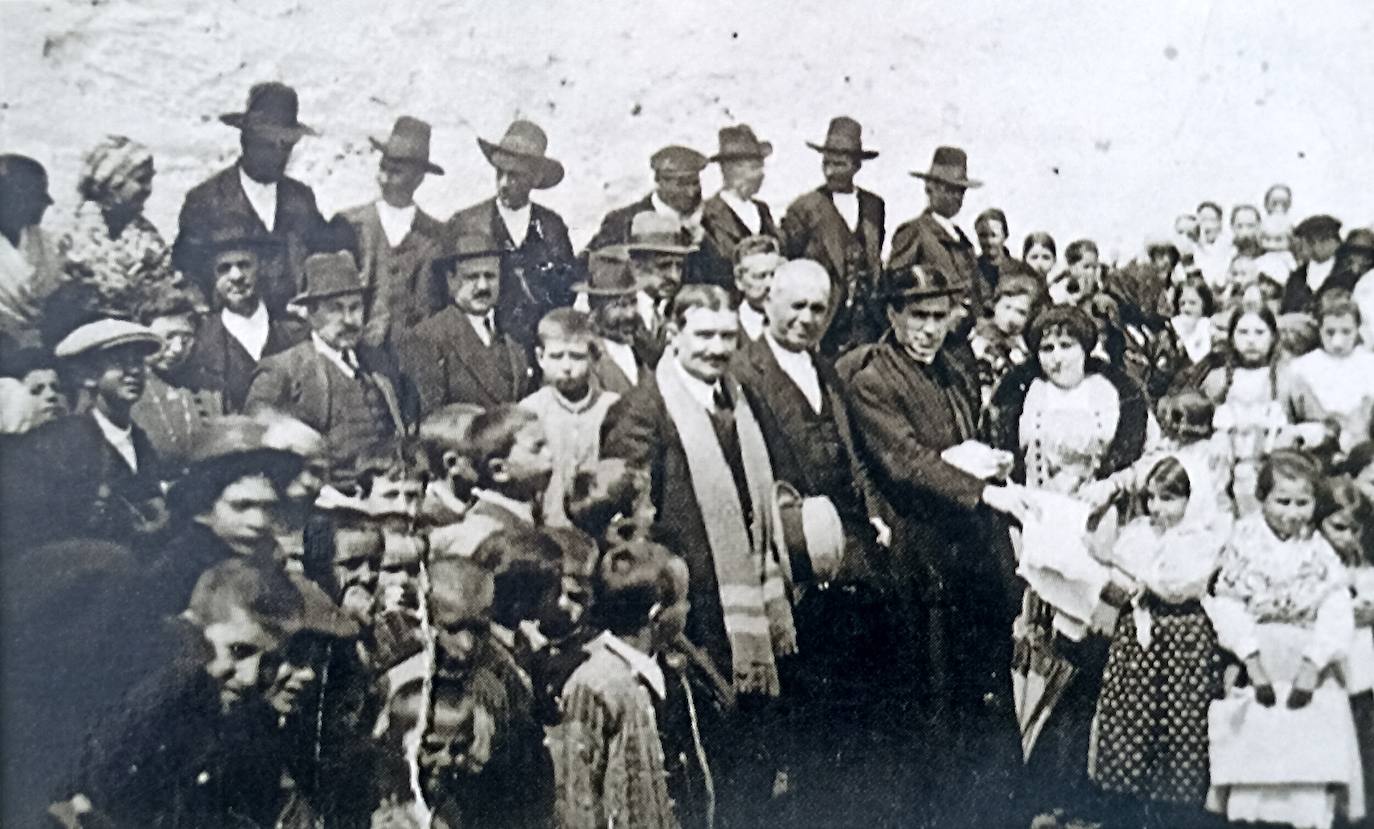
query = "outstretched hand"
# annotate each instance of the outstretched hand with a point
(1011, 500)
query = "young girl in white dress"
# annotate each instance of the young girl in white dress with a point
(1335, 383)
(1283, 744)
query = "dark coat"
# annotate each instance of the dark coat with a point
(609, 376)
(1298, 296)
(814, 229)
(63, 479)
(615, 225)
(639, 429)
(299, 229)
(404, 287)
(226, 366)
(716, 259)
(922, 241)
(448, 363)
(536, 277)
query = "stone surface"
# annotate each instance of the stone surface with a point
(1102, 120)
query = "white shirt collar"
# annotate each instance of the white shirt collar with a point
(747, 211)
(800, 367)
(263, 198)
(847, 204)
(649, 311)
(484, 325)
(333, 355)
(948, 224)
(693, 218)
(396, 221)
(517, 221)
(751, 321)
(1317, 272)
(521, 509)
(251, 331)
(623, 355)
(122, 440)
(703, 393)
(642, 664)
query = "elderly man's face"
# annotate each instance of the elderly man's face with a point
(679, 190)
(236, 280)
(839, 170)
(744, 176)
(338, 320)
(659, 274)
(921, 325)
(797, 310)
(705, 341)
(475, 285)
(240, 647)
(241, 516)
(945, 199)
(265, 155)
(753, 275)
(513, 187)
(399, 180)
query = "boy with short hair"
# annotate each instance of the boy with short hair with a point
(570, 406)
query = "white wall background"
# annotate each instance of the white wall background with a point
(1099, 119)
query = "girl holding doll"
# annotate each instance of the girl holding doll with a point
(1283, 743)
(1164, 666)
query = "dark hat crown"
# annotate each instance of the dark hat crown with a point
(739, 142)
(330, 274)
(915, 281)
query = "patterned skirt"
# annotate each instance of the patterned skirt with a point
(1150, 732)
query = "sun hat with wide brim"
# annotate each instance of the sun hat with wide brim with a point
(845, 136)
(273, 109)
(523, 149)
(949, 166)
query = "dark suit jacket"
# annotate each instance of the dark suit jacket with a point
(638, 429)
(536, 277)
(404, 288)
(448, 363)
(63, 479)
(299, 229)
(609, 376)
(226, 366)
(780, 406)
(922, 241)
(724, 230)
(814, 229)
(615, 226)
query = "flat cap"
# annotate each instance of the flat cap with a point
(105, 334)
(1318, 226)
(676, 158)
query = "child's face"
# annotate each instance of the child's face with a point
(1085, 271)
(566, 364)
(1342, 531)
(1252, 340)
(1009, 314)
(396, 496)
(1289, 507)
(1339, 334)
(1166, 508)
(1243, 271)
(525, 472)
(1190, 303)
(1040, 259)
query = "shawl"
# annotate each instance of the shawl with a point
(758, 618)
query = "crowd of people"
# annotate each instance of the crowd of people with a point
(386, 521)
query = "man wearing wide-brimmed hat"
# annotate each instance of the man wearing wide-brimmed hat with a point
(932, 238)
(97, 470)
(952, 585)
(676, 194)
(338, 385)
(394, 240)
(842, 226)
(539, 267)
(462, 354)
(240, 330)
(733, 213)
(256, 188)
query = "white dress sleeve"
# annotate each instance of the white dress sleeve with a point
(1334, 630)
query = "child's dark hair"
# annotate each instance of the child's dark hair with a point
(1168, 477)
(388, 459)
(1271, 322)
(1296, 465)
(565, 324)
(1197, 285)
(1079, 249)
(1039, 239)
(1337, 303)
(1346, 497)
(1186, 416)
(629, 581)
(527, 567)
(492, 435)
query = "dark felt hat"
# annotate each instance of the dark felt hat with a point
(330, 275)
(273, 109)
(950, 166)
(1317, 227)
(739, 142)
(409, 141)
(919, 282)
(845, 136)
(523, 149)
(467, 246)
(608, 273)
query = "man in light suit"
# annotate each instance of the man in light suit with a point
(257, 189)
(339, 386)
(461, 354)
(538, 268)
(394, 241)
(733, 213)
(841, 226)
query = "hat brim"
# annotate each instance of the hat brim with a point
(448, 261)
(548, 172)
(241, 121)
(317, 296)
(591, 290)
(924, 293)
(765, 150)
(429, 166)
(148, 343)
(966, 183)
(849, 151)
(677, 250)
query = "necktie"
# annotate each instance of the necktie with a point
(350, 359)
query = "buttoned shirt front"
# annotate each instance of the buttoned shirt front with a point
(484, 326)
(801, 368)
(847, 204)
(263, 198)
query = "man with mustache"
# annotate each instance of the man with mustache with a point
(620, 354)
(241, 329)
(344, 389)
(96, 470)
(462, 354)
(256, 190)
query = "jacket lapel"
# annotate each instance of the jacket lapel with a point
(464, 350)
(836, 232)
(788, 404)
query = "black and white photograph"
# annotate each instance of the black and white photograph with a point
(891, 414)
